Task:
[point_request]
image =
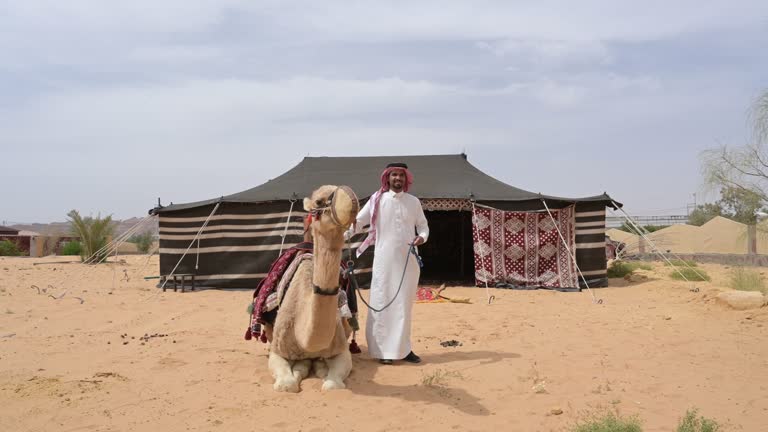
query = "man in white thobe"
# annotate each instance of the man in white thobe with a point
(397, 221)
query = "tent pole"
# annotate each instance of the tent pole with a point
(288, 221)
(462, 267)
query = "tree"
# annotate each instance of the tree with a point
(734, 203)
(143, 241)
(93, 233)
(740, 205)
(703, 213)
(743, 168)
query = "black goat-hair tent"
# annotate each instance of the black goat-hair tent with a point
(245, 235)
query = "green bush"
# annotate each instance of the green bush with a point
(72, 248)
(9, 248)
(619, 269)
(691, 274)
(608, 422)
(143, 241)
(681, 263)
(744, 279)
(694, 423)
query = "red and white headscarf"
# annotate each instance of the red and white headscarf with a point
(376, 198)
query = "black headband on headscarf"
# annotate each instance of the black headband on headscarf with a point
(397, 165)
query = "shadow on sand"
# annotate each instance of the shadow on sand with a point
(362, 381)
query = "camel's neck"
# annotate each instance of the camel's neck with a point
(327, 256)
(316, 325)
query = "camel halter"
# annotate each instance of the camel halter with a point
(342, 207)
(335, 207)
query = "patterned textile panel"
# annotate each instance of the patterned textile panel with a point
(524, 248)
(590, 243)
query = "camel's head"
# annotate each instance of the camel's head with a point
(333, 208)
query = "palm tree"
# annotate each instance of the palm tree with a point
(93, 233)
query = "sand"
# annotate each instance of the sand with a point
(653, 348)
(718, 236)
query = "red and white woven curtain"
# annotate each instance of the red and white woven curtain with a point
(524, 248)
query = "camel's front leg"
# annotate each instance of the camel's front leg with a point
(301, 369)
(285, 381)
(321, 368)
(338, 370)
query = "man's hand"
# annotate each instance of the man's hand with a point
(418, 241)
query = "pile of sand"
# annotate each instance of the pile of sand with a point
(719, 235)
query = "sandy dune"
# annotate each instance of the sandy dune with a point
(652, 348)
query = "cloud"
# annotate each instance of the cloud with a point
(550, 53)
(199, 111)
(198, 98)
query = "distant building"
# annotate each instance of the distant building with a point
(7, 231)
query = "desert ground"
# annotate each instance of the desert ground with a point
(102, 349)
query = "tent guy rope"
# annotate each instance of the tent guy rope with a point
(642, 232)
(202, 228)
(573, 256)
(488, 295)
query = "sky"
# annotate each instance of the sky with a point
(106, 106)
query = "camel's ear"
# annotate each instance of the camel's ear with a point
(307, 204)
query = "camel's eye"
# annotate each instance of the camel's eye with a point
(319, 203)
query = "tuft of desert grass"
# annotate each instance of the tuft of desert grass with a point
(691, 274)
(745, 279)
(607, 421)
(681, 263)
(619, 269)
(692, 422)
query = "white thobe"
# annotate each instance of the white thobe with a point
(400, 217)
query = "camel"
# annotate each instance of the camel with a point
(309, 333)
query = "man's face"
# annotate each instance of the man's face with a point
(397, 180)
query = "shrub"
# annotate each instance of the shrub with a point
(9, 248)
(744, 279)
(143, 241)
(691, 274)
(72, 248)
(619, 269)
(608, 422)
(693, 423)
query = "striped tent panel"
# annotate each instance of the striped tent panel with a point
(590, 243)
(239, 244)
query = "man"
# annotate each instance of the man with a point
(395, 216)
